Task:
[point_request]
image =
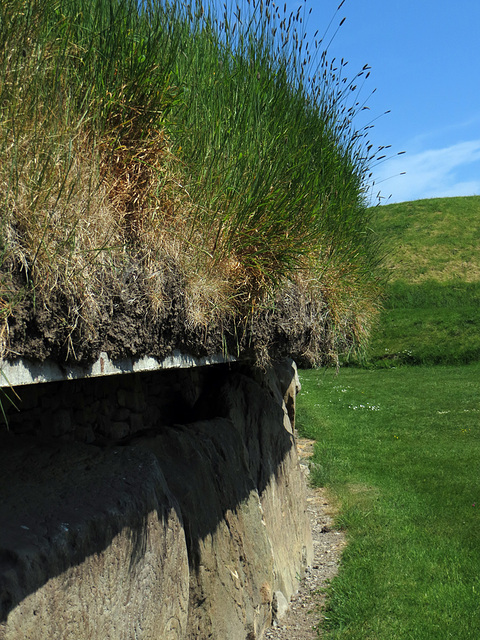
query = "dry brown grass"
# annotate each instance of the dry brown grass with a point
(121, 211)
(109, 238)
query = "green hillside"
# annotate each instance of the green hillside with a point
(435, 239)
(397, 446)
(432, 303)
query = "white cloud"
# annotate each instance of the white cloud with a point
(435, 173)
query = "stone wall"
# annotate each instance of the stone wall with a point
(157, 505)
(106, 409)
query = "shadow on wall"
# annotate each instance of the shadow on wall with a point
(61, 507)
(129, 529)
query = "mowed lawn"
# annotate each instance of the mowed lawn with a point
(400, 451)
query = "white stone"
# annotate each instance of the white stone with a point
(20, 371)
(281, 604)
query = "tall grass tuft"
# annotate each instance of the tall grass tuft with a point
(172, 132)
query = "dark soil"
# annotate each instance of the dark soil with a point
(117, 317)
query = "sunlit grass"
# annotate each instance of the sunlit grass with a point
(160, 133)
(428, 323)
(431, 304)
(400, 450)
(435, 239)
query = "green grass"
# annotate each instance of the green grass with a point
(435, 239)
(428, 323)
(222, 141)
(432, 301)
(400, 450)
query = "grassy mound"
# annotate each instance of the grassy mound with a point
(432, 299)
(177, 177)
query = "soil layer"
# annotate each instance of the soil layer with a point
(118, 317)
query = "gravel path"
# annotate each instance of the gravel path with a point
(306, 607)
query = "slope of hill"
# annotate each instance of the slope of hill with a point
(436, 239)
(432, 304)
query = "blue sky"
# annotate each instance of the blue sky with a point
(425, 66)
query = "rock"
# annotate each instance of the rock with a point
(230, 554)
(188, 531)
(280, 605)
(91, 545)
(243, 500)
(261, 416)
